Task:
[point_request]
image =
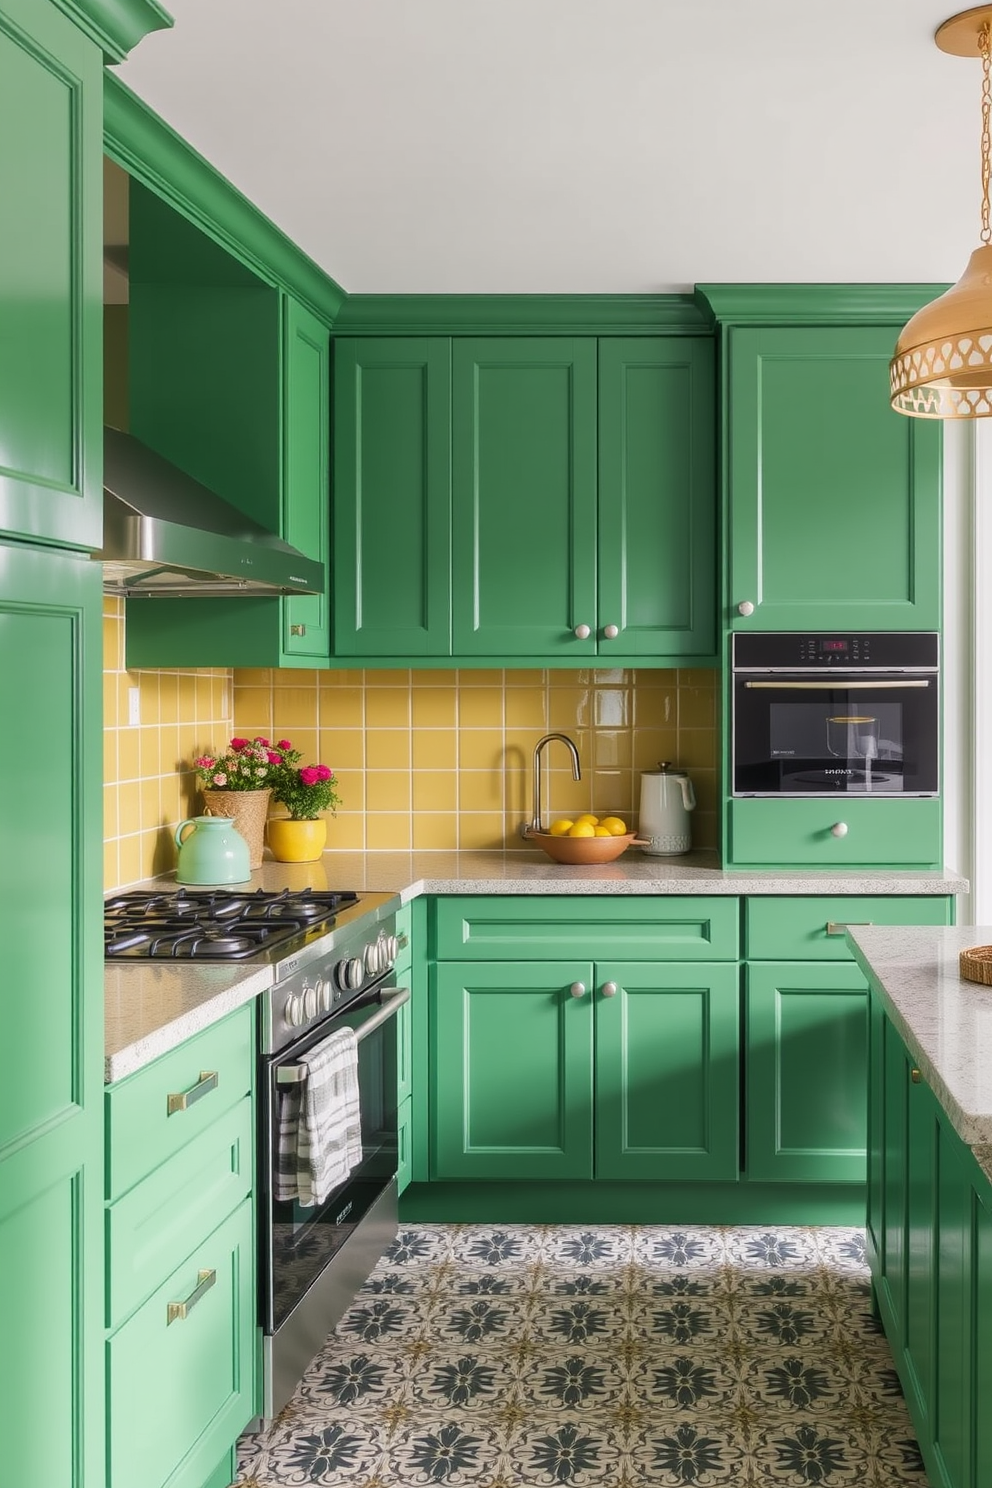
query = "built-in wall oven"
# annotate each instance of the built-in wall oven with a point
(817, 714)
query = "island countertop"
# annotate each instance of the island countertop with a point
(944, 1020)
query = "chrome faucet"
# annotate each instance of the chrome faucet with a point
(535, 825)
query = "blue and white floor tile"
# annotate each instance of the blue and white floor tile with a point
(519, 1356)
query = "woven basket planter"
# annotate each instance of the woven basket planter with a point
(248, 810)
(976, 964)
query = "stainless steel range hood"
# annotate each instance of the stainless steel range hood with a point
(165, 534)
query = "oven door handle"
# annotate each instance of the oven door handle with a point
(837, 686)
(393, 999)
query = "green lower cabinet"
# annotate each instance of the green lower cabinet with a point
(770, 833)
(579, 1070)
(806, 1073)
(404, 1145)
(181, 1370)
(930, 1250)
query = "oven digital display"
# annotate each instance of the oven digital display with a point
(834, 646)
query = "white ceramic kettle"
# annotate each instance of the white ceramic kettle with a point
(667, 797)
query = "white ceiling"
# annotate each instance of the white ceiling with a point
(584, 146)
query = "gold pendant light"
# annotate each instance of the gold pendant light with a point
(942, 367)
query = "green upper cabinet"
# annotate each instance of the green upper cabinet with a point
(524, 498)
(51, 1139)
(392, 497)
(50, 278)
(657, 503)
(833, 500)
(306, 435)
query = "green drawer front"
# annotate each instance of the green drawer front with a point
(878, 832)
(179, 1393)
(801, 929)
(533, 928)
(404, 1167)
(141, 1133)
(175, 1208)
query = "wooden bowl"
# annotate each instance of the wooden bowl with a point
(582, 849)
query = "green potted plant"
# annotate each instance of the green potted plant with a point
(306, 791)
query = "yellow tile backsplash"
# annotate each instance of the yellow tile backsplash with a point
(424, 759)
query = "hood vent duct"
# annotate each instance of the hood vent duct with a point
(165, 534)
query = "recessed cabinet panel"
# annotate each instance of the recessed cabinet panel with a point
(307, 473)
(524, 478)
(657, 453)
(50, 288)
(834, 498)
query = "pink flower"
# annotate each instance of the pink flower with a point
(284, 744)
(220, 779)
(323, 772)
(263, 742)
(240, 743)
(205, 762)
(310, 774)
(274, 758)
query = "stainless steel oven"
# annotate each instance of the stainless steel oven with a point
(819, 714)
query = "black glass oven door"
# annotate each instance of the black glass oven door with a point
(793, 735)
(298, 1242)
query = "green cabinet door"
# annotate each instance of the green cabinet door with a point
(51, 1055)
(666, 1093)
(833, 499)
(306, 439)
(912, 1200)
(657, 497)
(511, 1070)
(981, 1392)
(807, 1063)
(51, 298)
(392, 497)
(524, 497)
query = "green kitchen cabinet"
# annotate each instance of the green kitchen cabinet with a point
(833, 500)
(51, 297)
(229, 378)
(392, 497)
(806, 1059)
(930, 1250)
(543, 499)
(574, 1069)
(181, 1236)
(51, 1056)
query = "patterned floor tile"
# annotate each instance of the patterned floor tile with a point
(518, 1356)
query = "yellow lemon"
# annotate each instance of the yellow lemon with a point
(614, 826)
(592, 821)
(582, 829)
(601, 831)
(561, 827)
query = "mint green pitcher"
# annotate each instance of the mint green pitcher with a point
(213, 853)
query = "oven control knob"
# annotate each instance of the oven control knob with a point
(839, 829)
(294, 1011)
(310, 1003)
(392, 948)
(352, 973)
(325, 995)
(372, 959)
(745, 607)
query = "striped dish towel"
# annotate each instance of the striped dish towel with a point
(320, 1129)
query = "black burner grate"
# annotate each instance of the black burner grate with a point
(213, 924)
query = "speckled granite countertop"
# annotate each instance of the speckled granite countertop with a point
(151, 1007)
(944, 1020)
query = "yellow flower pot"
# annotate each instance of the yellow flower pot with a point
(296, 841)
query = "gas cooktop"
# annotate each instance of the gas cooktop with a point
(213, 924)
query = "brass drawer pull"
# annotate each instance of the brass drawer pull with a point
(177, 1310)
(837, 927)
(915, 1076)
(208, 1081)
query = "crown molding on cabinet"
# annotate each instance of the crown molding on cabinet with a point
(145, 146)
(521, 314)
(812, 304)
(116, 25)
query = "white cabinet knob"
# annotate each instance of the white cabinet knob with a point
(611, 632)
(745, 607)
(582, 632)
(839, 829)
(609, 989)
(577, 989)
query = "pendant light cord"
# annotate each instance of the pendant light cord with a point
(985, 47)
